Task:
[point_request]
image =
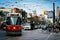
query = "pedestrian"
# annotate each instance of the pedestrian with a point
(32, 25)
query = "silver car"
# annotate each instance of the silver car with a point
(43, 26)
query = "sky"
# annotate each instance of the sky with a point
(30, 5)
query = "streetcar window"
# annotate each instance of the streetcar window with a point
(13, 21)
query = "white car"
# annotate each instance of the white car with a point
(27, 26)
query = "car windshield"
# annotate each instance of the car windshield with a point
(26, 24)
(13, 21)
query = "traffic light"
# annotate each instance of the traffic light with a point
(45, 12)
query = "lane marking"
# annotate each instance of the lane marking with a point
(49, 36)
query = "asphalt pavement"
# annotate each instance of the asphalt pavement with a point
(37, 34)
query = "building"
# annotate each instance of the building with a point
(49, 15)
(34, 13)
(3, 12)
(28, 17)
(5, 9)
(41, 17)
(58, 12)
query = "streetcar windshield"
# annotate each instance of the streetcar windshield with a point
(13, 21)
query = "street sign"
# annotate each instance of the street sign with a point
(50, 14)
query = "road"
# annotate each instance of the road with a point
(37, 34)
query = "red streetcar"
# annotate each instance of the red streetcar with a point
(13, 23)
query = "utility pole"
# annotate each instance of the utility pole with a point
(53, 13)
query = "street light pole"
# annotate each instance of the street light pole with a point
(53, 13)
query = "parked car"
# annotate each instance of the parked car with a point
(44, 27)
(29, 26)
(26, 26)
(37, 26)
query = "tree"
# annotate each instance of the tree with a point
(23, 15)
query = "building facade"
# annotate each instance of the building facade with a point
(57, 11)
(5, 9)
